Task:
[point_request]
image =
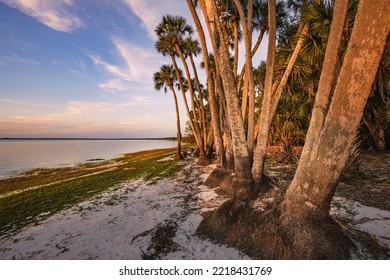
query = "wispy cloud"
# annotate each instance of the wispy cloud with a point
(54, 14)
(21, 59)
(17, 102)
(78, 118)
(151, 11)
(135, 71)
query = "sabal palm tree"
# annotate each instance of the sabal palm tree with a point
(171, 32)
(164, 79)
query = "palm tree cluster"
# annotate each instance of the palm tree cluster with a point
(325, 59)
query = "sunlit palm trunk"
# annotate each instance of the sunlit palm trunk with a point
(178, 151)
(203, 127)
(327, 80)
(313, 185)
(236, 48)
(266, 122)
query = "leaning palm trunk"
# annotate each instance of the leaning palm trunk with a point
(178, 151)
(203, 127)
(327, 79)
(309, 194)
(266, 121)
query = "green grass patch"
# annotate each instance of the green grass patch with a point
(27, 206)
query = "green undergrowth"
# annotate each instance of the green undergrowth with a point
(32, 202)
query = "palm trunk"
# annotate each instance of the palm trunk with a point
(236, 48)
(196, 131)
(254, 50)
(262, 137)
(225, 126)
(327, 79)
(258, 42)
(178, 155)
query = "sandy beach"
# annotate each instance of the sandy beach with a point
(157, 220)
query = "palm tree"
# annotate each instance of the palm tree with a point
(171, 31)
(164, 79)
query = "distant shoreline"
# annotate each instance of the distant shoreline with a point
(87, 138)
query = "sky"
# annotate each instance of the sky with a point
(84, 68)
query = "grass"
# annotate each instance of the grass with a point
(44, 192)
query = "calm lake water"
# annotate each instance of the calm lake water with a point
(21, 155)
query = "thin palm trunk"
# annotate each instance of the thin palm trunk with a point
(254, 50)
(258, 42)
(190, 120)
(203, 127)
(178, 151)
(236, 48)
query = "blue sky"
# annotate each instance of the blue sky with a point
(83, 68)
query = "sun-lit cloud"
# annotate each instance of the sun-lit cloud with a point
(54, 14)
(11, 101)
(151, 11)
(135, 70)
(79, 119)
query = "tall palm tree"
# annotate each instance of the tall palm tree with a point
(171, 31)
(164, 79)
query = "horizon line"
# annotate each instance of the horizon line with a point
(87, 138)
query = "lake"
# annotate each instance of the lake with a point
(20, 155)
